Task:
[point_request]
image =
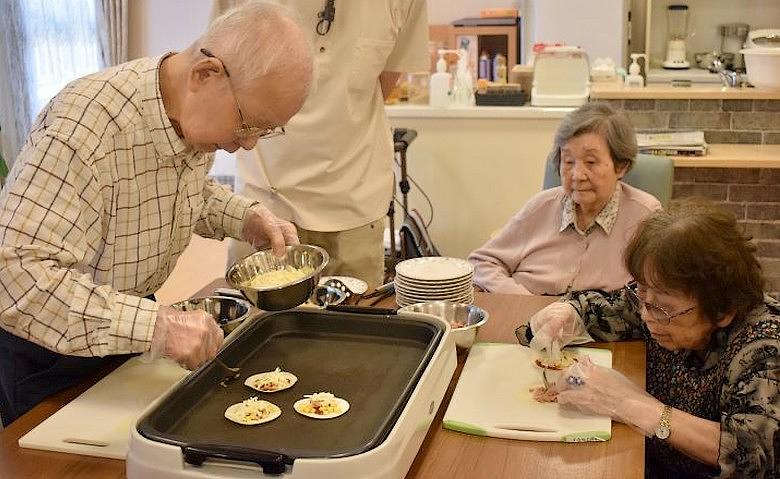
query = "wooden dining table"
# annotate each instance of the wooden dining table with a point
(443, 454)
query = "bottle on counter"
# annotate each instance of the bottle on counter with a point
(496, 63)
(439, 93)
(484, 66)
(463, 87)
(501, 70)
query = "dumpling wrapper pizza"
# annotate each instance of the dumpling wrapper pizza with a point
(567, 359)
(271, 381)
(252, 411)
(321, 406)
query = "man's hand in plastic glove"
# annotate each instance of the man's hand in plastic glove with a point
(598, 390)
(188, 337)
(262, 227)
(555, 326)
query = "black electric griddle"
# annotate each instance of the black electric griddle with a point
(374, 362)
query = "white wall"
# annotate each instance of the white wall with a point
(157, 26)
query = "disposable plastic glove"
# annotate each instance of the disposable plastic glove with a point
(188, 337)
(261, 228)
(555, 326)
(604, 391)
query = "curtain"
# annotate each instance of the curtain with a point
(45, 44)
(14, 99)
(112, 30)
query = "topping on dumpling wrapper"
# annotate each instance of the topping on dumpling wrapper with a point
(323, 405)
(252, 411)
(271, 381)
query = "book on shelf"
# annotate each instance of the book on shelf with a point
(675, 151)
(682, 143)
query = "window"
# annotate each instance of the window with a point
(62, 44)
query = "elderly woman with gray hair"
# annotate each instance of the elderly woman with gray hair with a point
(571, 237)
(712, 405)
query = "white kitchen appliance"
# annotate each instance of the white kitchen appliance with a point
(677, 33)
(561, 77)
(161, 442)
(762, 58)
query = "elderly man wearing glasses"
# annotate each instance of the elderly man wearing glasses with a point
(111, 185)
(712, 405)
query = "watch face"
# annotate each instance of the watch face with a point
(662, 432)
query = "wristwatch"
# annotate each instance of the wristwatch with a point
(664, 428)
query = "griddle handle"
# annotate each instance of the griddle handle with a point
(271, 462)
(348, 308)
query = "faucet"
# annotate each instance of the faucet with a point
(728, 78)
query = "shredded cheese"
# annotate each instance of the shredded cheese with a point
(279, 277)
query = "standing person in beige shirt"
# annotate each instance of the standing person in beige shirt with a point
(572, 237)
(109, 188)
(332, 173)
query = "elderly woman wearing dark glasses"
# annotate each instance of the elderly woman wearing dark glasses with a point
(713, 347)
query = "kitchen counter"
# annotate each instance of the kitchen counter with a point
(610, 91)
(526, 112)
(442, 452)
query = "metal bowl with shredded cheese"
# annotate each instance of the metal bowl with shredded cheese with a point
(275, 283)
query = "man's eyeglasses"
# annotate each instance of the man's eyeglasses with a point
(245, 131)
(657, 312)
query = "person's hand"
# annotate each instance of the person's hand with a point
(554, 327)
(603, 391)
(261, 228)
(188, 337)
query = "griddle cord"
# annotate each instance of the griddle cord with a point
(271, 462)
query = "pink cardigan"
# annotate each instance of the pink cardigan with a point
(532, 256)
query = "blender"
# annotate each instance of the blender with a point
(677, 29)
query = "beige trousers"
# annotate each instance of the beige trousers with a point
(358, 252)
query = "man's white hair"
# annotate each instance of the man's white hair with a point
(258, 39)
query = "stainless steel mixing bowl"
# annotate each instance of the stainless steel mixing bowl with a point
(283, 296)
(465, 319)
(227, 312)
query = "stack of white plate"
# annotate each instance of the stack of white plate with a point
(434, 278)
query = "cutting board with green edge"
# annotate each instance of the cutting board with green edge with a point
(493, 398)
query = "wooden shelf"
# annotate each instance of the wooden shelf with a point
(602, 91)
(734, 156)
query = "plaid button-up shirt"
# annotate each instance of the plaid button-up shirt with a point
(100, 203)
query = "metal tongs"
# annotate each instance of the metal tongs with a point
(231, 373)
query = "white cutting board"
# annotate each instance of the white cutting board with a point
(98, 422)
(492, 398)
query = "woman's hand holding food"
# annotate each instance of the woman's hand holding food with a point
(188, 337)
(554, 327)
(599, 390)
(261, 228)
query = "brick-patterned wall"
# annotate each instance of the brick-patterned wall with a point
(723, 121)
(753, 195)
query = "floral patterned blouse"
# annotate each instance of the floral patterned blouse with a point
(737, 383)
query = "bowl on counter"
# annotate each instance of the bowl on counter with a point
(227, 312)
(464, 319)
(286, 295)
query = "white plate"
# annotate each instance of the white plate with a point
(406, 301)
(462, 279)
(434, 268)
(259, 377)
(233, 410)
(435, 291)
(357, 285)
(342, 403)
